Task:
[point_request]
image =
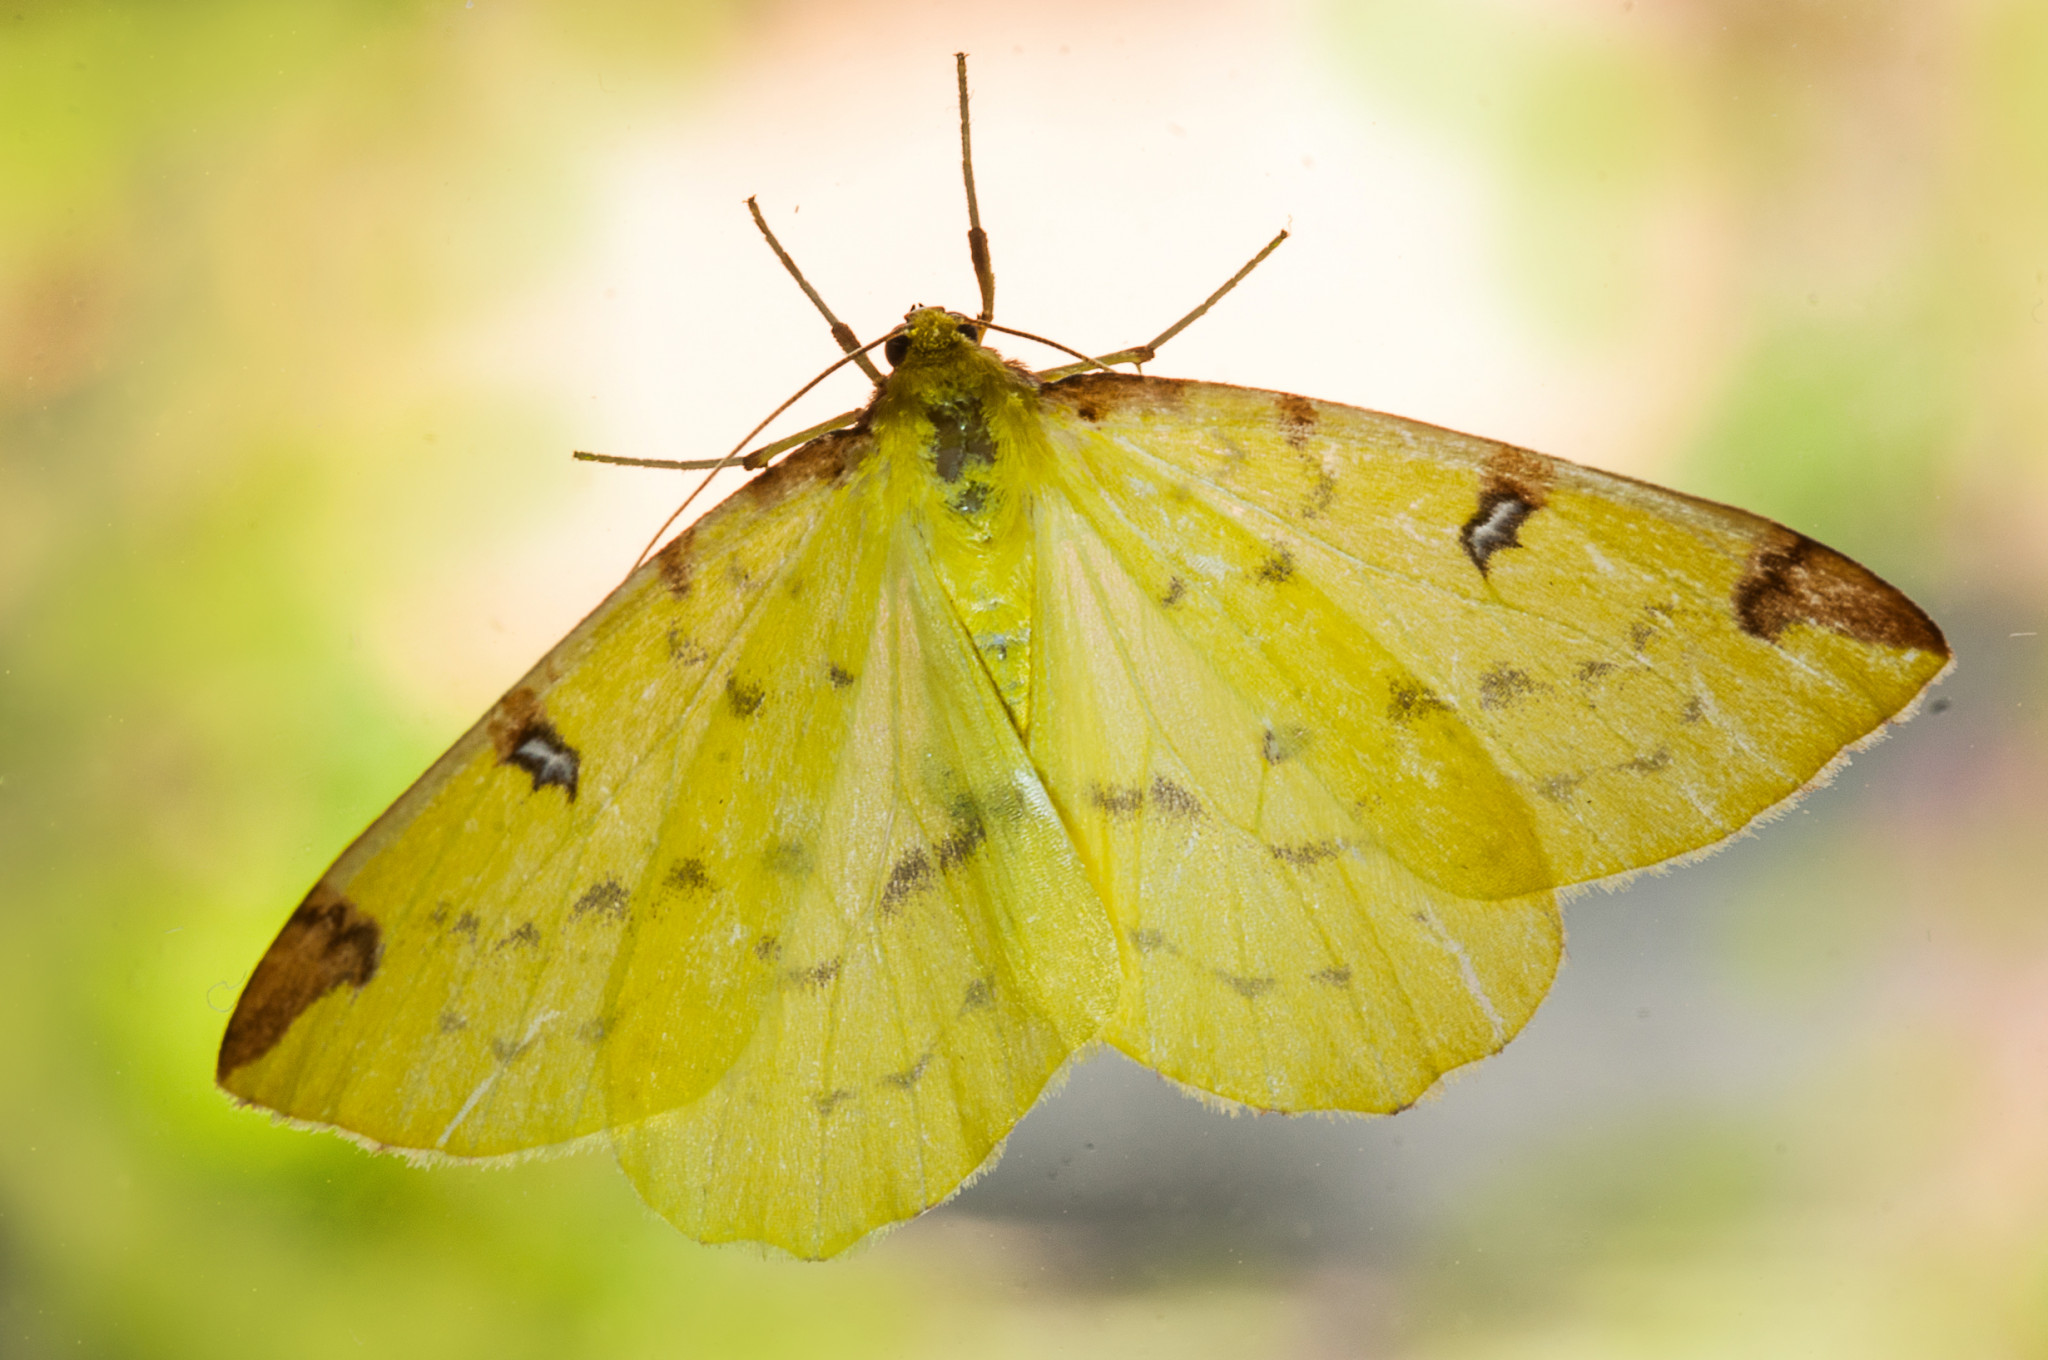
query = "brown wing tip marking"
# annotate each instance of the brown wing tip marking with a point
(327, 942)
(525, 739)
(1792, 579)
(1514, 486)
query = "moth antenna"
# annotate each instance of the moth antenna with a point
(753, 462)
(977, 239)
(841, 332)
(1145, 353)
(1088, 361)
(721, 464)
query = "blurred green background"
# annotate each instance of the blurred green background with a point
(302, 307)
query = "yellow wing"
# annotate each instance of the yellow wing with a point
(762, 792)
(950, 958)
(1648, 671)
(444, 986)
(1332, 700)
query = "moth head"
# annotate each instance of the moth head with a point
(930, 333)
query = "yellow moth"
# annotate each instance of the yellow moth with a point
(1250, 734)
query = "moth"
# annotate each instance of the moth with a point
(1017, 712)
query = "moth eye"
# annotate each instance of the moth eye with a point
(895, 348)
(970, 332)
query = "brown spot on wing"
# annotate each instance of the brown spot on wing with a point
(1297, 418)
(327, 942)
(1112, 394)
(678, 569)
(1791, 579)
(823, 459)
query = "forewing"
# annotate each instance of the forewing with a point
(1646, 671)
(942, 956)
(447, 985)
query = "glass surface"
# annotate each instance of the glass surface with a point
(302, 309)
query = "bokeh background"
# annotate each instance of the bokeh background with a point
(302, 309)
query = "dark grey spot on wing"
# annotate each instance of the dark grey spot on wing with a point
(1504, 685)
(1308, 854)
(790, 858)
(525, 937)
(913, 870)
(684, 650)
(1250, 988)
(538, 749)
(1407, 700)
(607, 898)
(1496, 524)
(689, 876)
(743, 697)
(907, 1078)
(1120, 801)
(1647, 764)
(814, 977)
(968, 836)
(1169, 797)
